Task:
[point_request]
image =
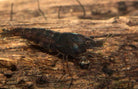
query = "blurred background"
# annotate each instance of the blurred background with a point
(93, 9)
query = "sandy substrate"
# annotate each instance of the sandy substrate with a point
(113, 66)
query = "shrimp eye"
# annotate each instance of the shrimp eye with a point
(87, 42)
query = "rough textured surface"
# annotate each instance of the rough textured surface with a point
(113, 66)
